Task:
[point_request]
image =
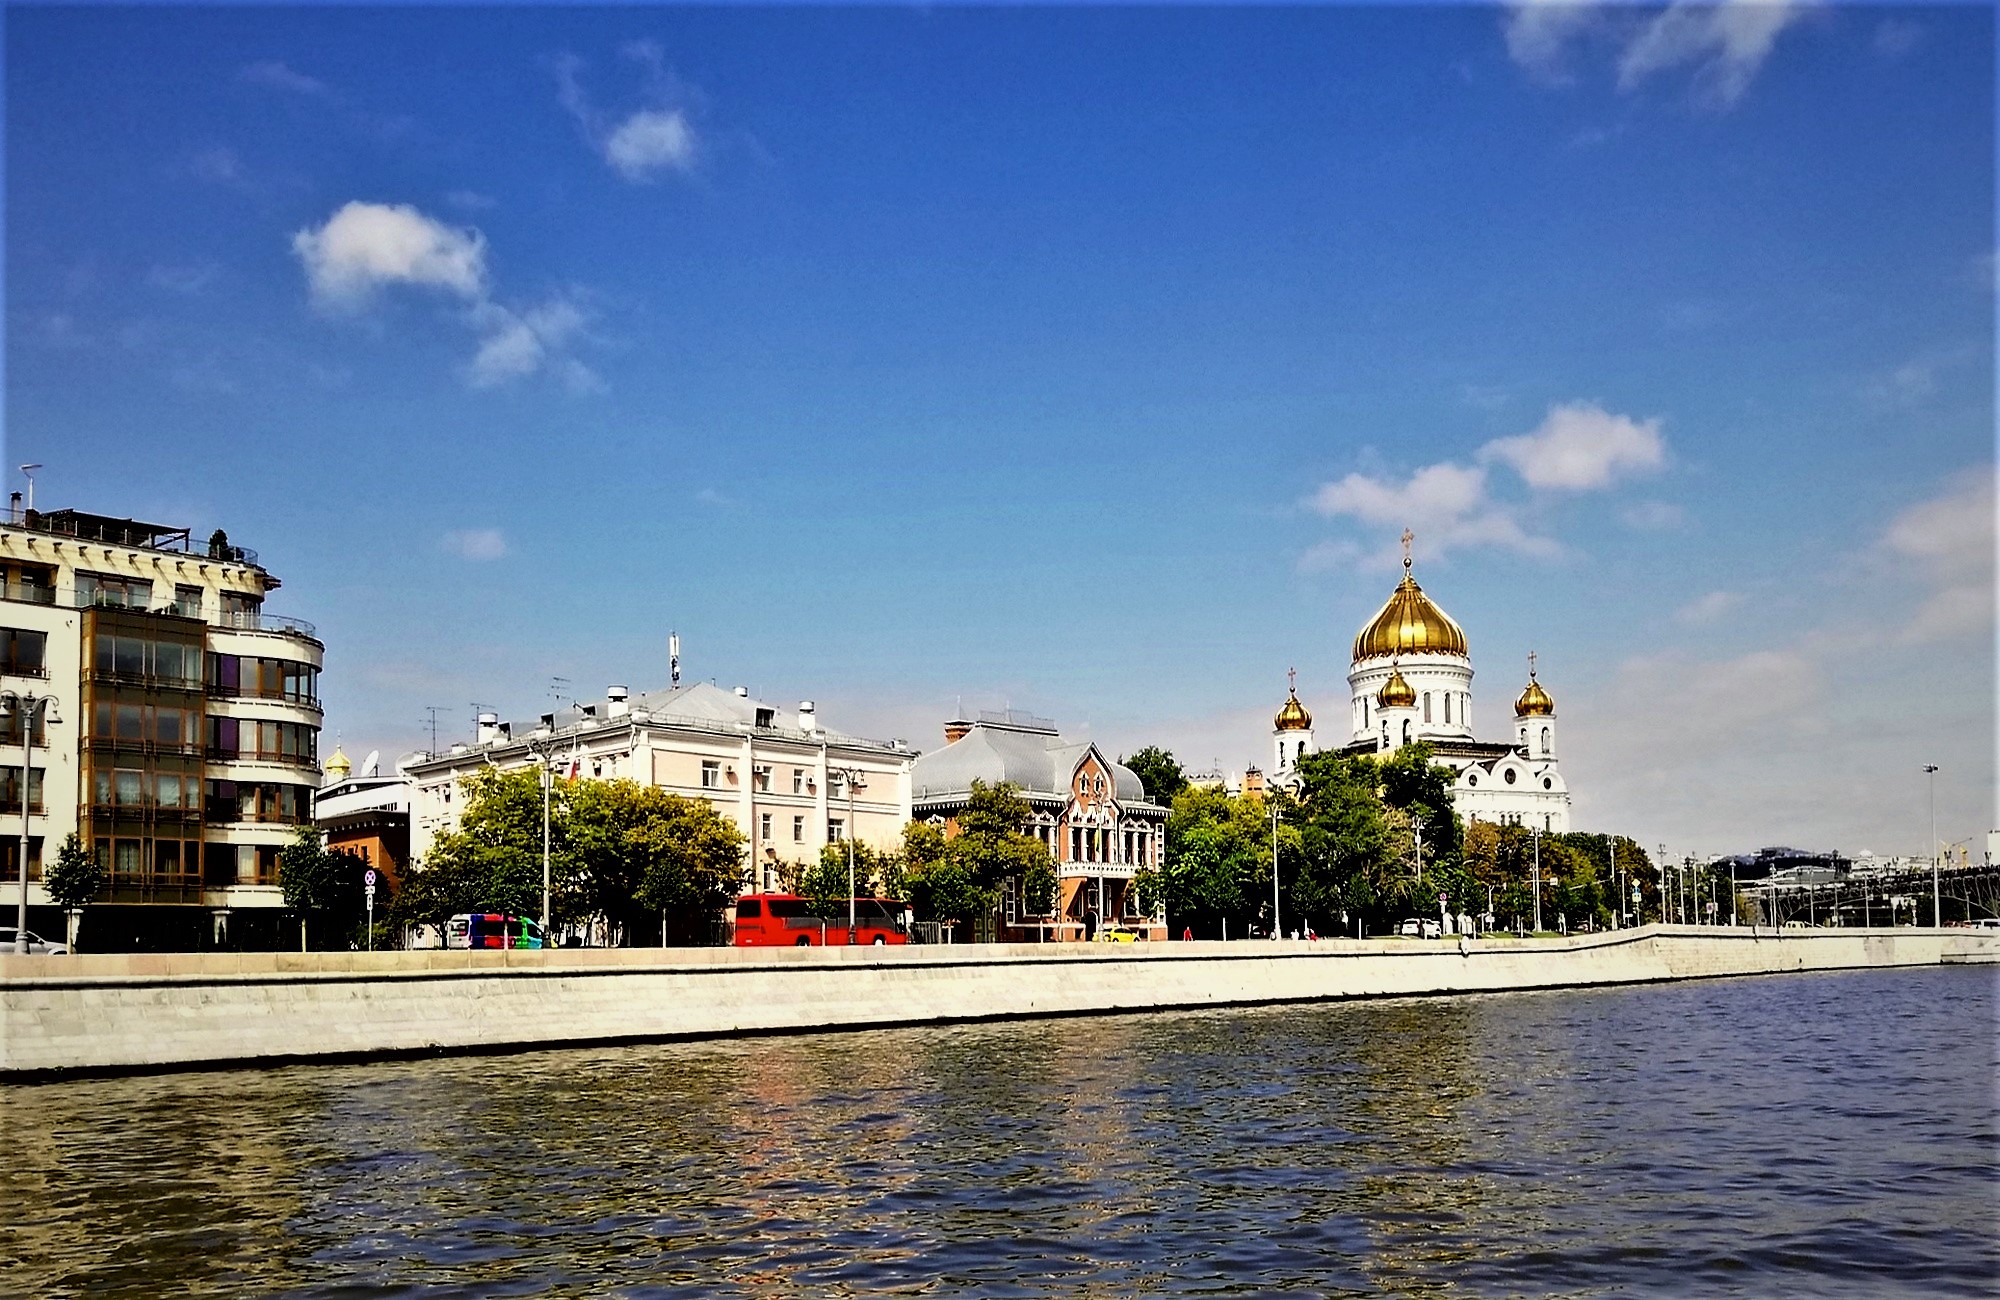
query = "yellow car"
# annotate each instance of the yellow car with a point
(1119, 934)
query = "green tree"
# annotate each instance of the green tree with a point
(325, 890)
(1217, 866)
(493, 861)
(74, 879)
(634, 853)
(1160, 772)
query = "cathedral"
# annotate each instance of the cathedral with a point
(1411, 680)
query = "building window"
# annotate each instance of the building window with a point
(22, 652)
(1447, 706)
(836, 830)
(1545, 740)
(187, 602)
(239, 609)
(10, 858)
(113, 590)
(760, 776)
(711, 773)
(1511, 776)
(836, 786)
(764, 826)
(10, 789)
(1427, 706)
(798, 780)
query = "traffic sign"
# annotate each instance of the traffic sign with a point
(369, 878)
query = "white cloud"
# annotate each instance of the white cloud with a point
(1721, 45)
(1706, 609)
(1652, 516)
(1895, 37)
(1449, 501)
(645, 143)
(1539, 32)
(519, 343)
(470, 200)
(476, 543)
(219, 164)
(276, 76)
(1724, 44)
(1949, 541)
(649, 141)
(1580, 446)
(366, 245)
(183, 279)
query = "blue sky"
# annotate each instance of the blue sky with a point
(1082, 360)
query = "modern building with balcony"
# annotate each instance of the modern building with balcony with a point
(181, 738)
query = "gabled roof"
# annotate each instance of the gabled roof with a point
(1036, 760)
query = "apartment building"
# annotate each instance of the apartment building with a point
(181, 734)
(790, 785)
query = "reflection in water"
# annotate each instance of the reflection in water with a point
(1816, 1134)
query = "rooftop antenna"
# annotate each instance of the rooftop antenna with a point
(433, 710)
(673, 659)
(28, 473)
(477, 709)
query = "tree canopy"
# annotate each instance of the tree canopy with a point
(1160, 772)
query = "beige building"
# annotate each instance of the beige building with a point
(182, 741)
(790, 785)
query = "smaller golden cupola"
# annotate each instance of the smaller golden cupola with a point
(1534, 701)
(1293, 716)
(1396, 693)
(338, 766)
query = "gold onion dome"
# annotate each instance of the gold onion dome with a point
(1534, 702)
(1293, 717)
(338, 765)
(1409, 624)
(1396, 693)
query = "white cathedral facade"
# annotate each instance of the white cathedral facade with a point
(1410, 680)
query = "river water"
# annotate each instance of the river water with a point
(1801, 1135)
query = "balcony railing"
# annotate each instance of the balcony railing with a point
(256, 620)
(27, 593)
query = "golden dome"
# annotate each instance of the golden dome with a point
(1534, 702)
(1396, 693)
(1293, 717)
(338, 766)
(1409, 625)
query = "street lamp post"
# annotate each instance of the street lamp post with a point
(1277, 929)
(852, 780)
(1937, 916)
(1536, 831)
(23, 707)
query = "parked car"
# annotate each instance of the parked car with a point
(37, 946)
(1119, 934)
(1420, 928)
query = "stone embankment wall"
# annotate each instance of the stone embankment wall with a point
(109, 1014)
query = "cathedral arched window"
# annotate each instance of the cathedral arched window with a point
(1406, 731)
(1545, 740)
(1447, 707)
(1427, 706)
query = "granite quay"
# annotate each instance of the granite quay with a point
(138, 1013)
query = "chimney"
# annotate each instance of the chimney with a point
(956, 730)
(808, 721)
(617, 697)
(489, 728)
(743, 692)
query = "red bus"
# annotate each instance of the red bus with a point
(788, 920)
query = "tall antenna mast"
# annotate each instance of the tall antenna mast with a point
(673, 659)
(477, 709)
(433, 710)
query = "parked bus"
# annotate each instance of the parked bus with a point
(787, 920)
(493, 930)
